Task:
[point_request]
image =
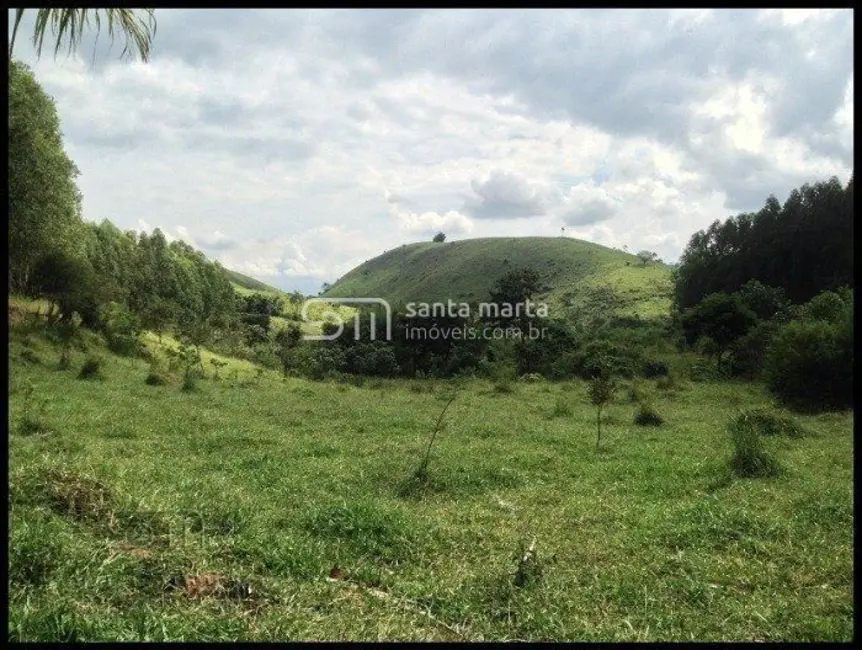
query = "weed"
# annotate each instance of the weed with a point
(562, 408)
(365, 529)
(32, 420)
(772, 423)
(666, 383)
(34, 551)
(749, 458)
(421, 473)
(92, 369)
(529, 568)
(29, 356)
(647, 416)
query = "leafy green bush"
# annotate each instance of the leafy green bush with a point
(121, 329)
(320, 361)
(652, 369)
(605, 358)
(372, 359)
(706, 371)
(647, 416)
(721, 317)
(748, 354)
(827, 306)
(809, 365)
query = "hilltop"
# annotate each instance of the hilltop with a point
(575, 274)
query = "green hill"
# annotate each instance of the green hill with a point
(576, 275)
(245, 282)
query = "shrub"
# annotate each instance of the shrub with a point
(770, 423)
(65, 361)
(701, 371)
(562, 408)
(666, 383)
(651, 369)
(372, 360)
(320, 361)
(121, 329)
(827, 306)
(809, 365)
(647, 416)
(749, 458)
(602, 357)
(748, 354)
(635, 394)
(92, 369)
(156, 379)
(721, 317)
(29, 356)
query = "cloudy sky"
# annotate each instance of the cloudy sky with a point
(293, 144)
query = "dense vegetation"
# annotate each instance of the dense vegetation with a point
(769, 295)
(802, 247)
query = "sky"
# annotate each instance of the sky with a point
(292, 145)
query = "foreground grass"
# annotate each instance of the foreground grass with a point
(270, 509)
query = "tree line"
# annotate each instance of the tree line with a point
(769, 296)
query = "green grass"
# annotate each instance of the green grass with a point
(576, 275)
(249, 284)
(272, 509)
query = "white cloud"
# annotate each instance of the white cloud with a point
(292, 145)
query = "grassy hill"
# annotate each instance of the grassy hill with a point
(575, 274)
(250, 285)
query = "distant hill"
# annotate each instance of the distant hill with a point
(245, 282)
(575, 274)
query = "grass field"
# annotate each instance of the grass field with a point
(466, 270)
(259, 508)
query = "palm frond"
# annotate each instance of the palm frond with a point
(138, 27)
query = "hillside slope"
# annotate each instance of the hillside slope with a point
(250, 284)
(575, 274)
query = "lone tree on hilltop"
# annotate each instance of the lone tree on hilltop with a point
(646, 257)
(439, 238)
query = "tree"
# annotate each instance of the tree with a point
(44, 201)
(646, 256)
(137, 29)
(515, 288)
(720, 317)
(803, 247)
(809, 364)
(601, 391)
(65, 280)
(439, 238)
(324, 288)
